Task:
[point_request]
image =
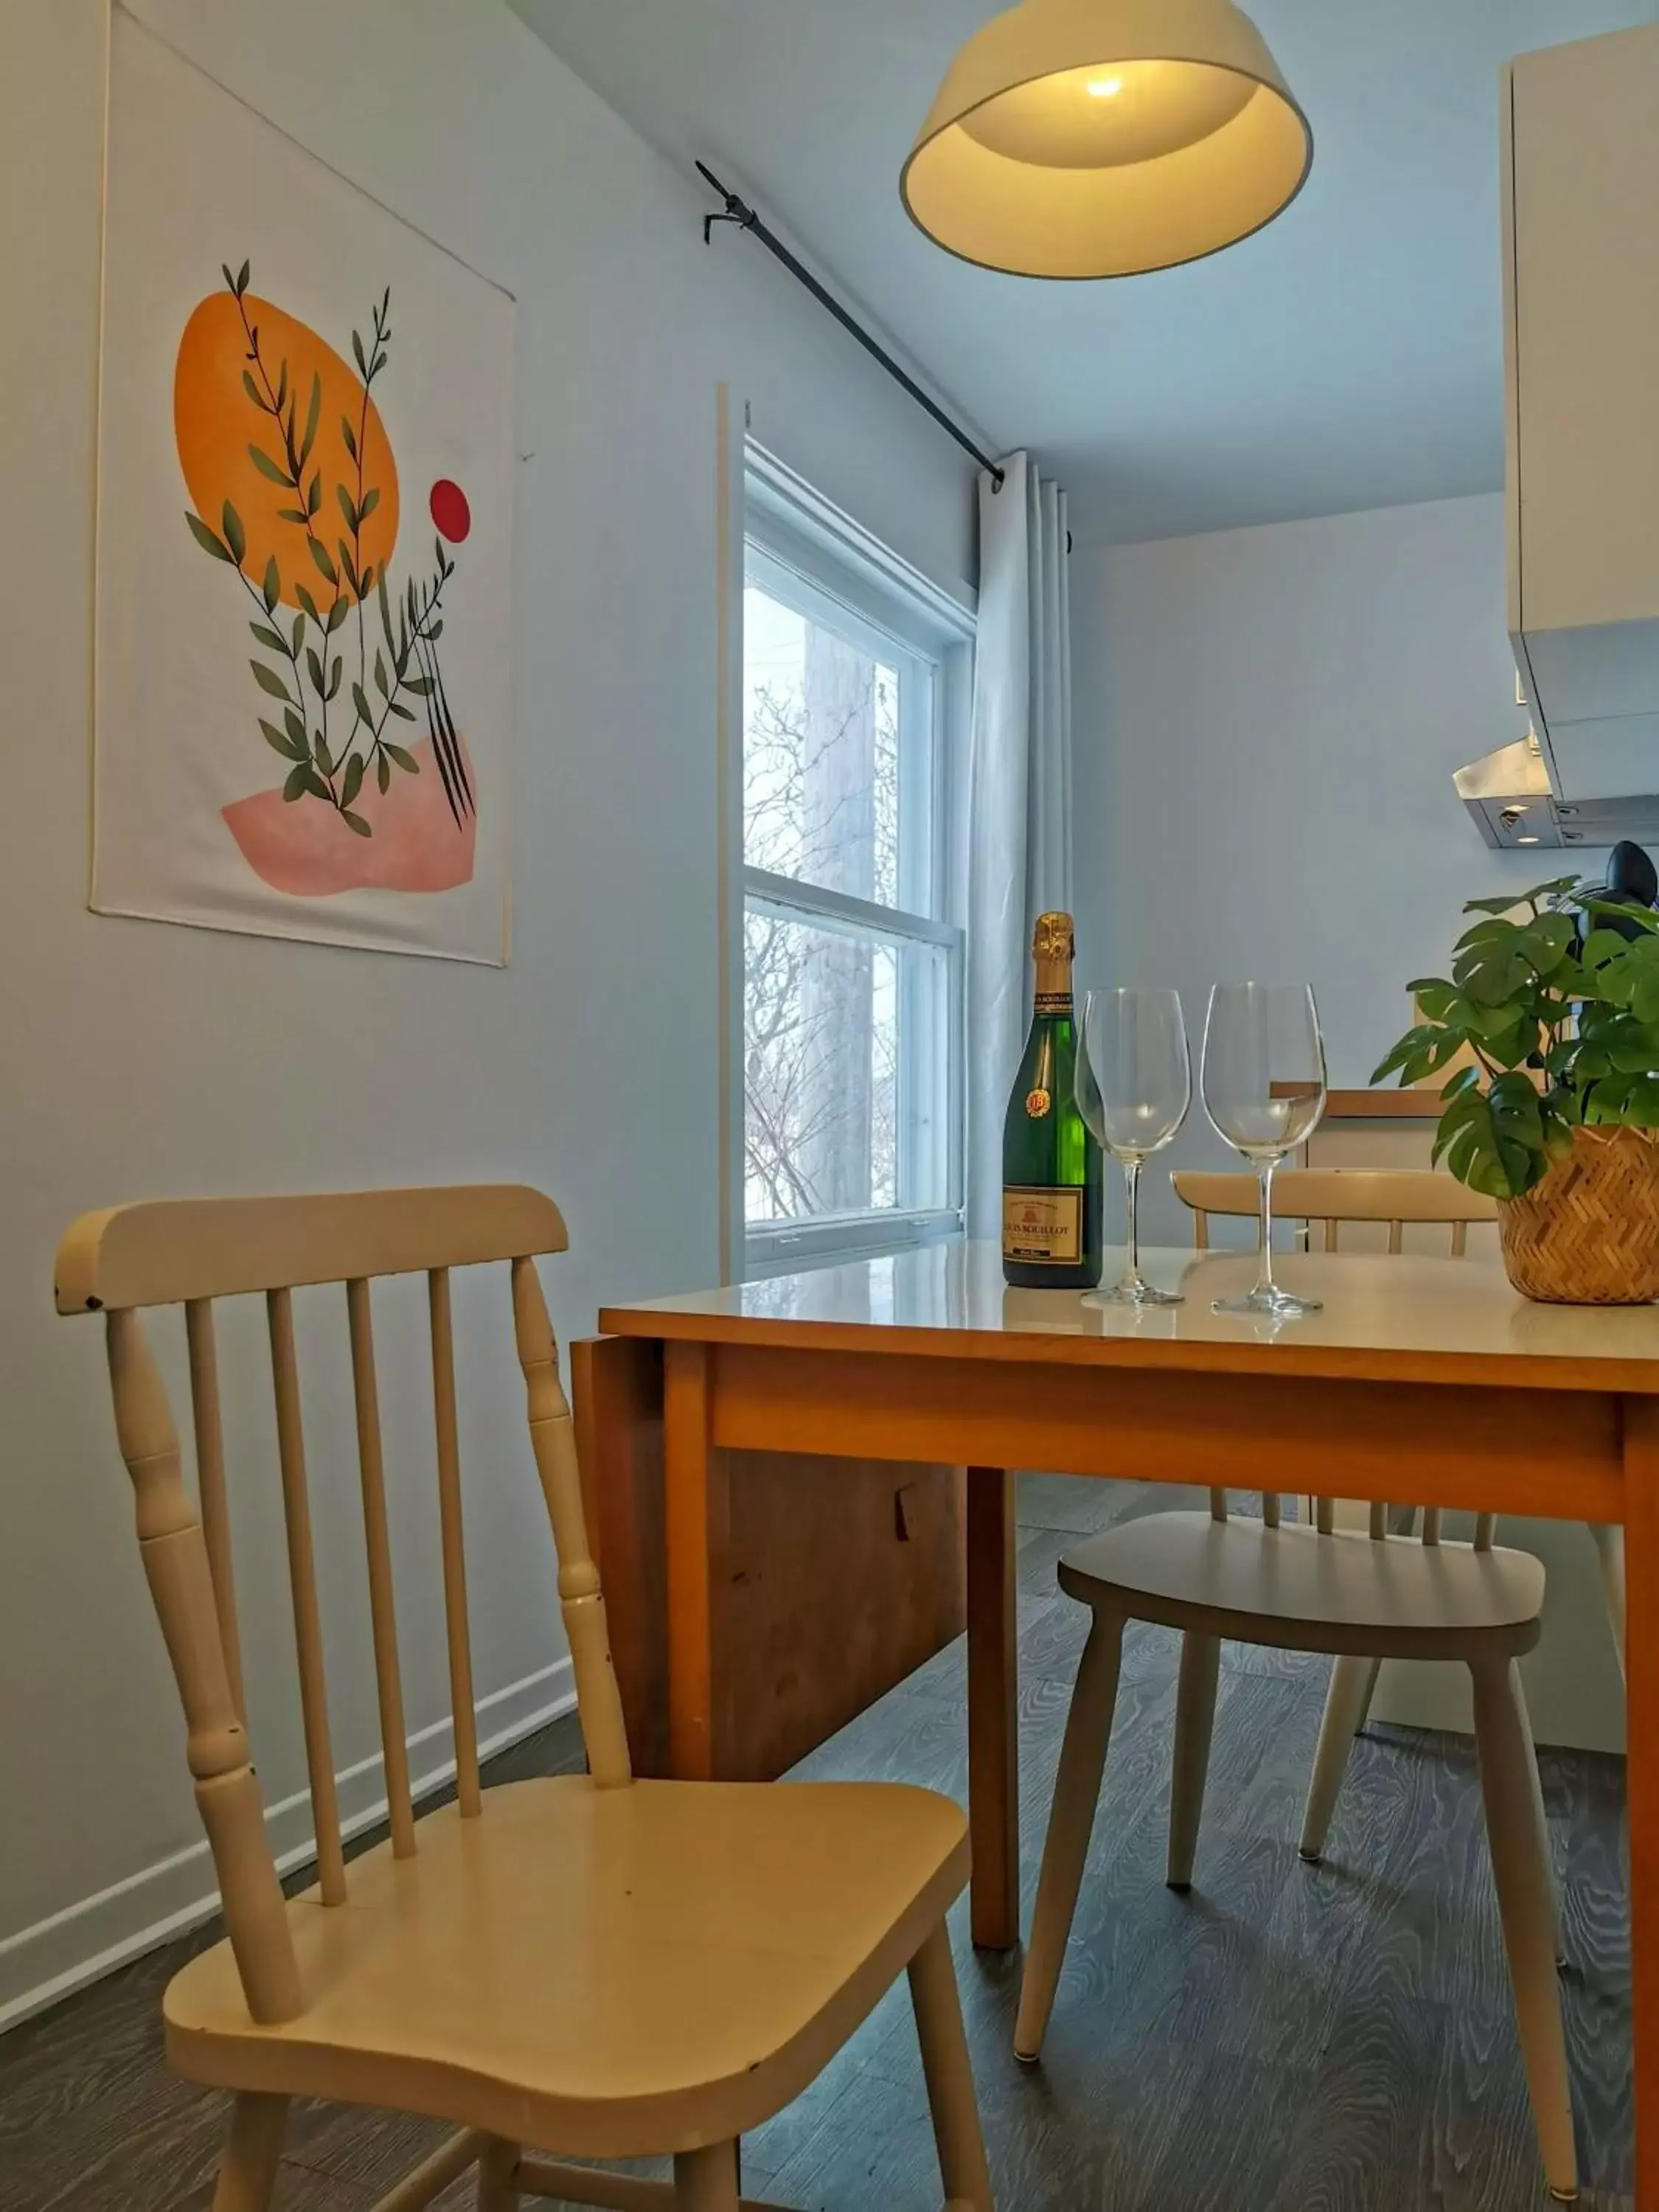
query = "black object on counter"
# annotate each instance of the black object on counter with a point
(1631, 880)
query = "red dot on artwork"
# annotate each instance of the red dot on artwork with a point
(450, 510)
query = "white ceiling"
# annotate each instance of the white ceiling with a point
(1348, 356)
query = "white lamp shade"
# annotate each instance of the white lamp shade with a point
(1088, 139)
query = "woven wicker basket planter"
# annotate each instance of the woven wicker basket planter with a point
(1589, 1234)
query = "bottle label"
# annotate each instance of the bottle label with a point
(1043, 1227)
(1053, 1003)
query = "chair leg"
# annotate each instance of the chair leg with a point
(1609, 1543)
(1520, 1860)
(248, 2172)
(1348, 1700)
(1200, 1667)
(1535, 1782)
(1071, 1821)
(706, 2180)
(496, 2170)
(949, 2075)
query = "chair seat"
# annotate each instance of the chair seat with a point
(1291, 1586)
(597, 1973)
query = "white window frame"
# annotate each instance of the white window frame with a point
(830, 558)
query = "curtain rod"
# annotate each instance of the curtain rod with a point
(739, 212)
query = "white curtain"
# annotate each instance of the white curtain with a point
(1018, 820)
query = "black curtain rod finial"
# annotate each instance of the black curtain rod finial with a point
(739, 212)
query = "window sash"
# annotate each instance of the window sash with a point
(921, 706)
(779, 1247)
(855, 917)
(798, 549)
(929, 1074)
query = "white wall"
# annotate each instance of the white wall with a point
(1267, 725)
(144, 1060)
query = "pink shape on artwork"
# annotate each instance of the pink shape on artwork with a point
(304, 848)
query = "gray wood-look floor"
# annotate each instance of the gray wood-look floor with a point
(1324, 2039)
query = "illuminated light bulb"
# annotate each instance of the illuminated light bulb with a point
(1105, 87)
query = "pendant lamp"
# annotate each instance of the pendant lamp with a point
(1088, 138)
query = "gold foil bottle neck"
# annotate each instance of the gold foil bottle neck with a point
(1052, 947)
(1053, 937)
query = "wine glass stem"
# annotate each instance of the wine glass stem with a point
(1264, 1269)
(1132, 1192)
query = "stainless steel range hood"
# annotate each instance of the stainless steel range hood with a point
(1508, 792)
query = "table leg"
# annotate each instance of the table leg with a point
(616, 1397)
(697, 1531)
(992, 1708)
(1642, 1672)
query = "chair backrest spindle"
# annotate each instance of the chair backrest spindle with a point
(552, 1433)
(377, 1539)
(302, 1583)
(174, 1554)
(210, 1479)
(468, 1793)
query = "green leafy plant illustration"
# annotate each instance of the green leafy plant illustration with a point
(1562, 1018)
(336, 725)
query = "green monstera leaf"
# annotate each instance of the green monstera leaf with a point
(1556, 1013)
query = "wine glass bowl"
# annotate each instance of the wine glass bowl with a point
(1263, 1079)
(1134, 1084)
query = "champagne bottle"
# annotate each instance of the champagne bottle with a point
(1051, 1165)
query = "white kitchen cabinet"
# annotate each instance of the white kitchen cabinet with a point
(1581, 178)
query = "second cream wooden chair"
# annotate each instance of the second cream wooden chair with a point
(1329, 1200)
(1361, 1596)
(590, 1967)
(1397, 1198)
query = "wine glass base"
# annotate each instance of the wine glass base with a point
(1269, 1299)
(1128, 1293)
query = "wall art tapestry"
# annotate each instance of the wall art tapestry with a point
(304, 524)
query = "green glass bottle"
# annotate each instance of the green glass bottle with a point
(1051, 1165)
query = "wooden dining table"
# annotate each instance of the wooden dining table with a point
(1422, 1380)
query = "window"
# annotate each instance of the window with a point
(853, 677)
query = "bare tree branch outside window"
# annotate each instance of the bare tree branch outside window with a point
(821, 805)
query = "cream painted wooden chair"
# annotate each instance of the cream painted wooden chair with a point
(1361, 1595)
(1331, 1197)
(591, 1966)
(1397, 1196)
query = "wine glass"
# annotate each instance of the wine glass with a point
(1134, 1083)
(1264, 1089)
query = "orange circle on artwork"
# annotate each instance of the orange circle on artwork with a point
(217, 421)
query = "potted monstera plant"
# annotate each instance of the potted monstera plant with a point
(1552, 1004)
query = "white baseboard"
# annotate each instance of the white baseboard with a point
(58, 1955)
